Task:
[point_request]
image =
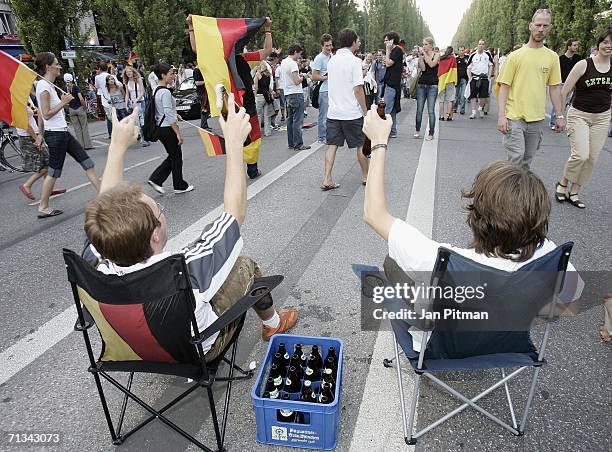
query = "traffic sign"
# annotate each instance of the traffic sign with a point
(68, 54)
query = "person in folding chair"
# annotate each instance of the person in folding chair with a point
(508, 216)
(127, 231)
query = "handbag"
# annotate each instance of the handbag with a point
(314, 94)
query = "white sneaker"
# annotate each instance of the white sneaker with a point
(417, 135)
(156, 187)
(473, 115)
(188, 189)
(480, 114)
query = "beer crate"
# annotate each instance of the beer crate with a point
(316, 425)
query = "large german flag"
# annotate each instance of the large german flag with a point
(15, 84)
(218, 41)
(447, 72)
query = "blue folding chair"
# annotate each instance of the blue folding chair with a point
(453, 346)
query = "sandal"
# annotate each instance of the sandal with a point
(560, 195)
(603, 333)
(575, 202)
(27, 193)
(330, 187)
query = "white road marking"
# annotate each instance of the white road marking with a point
(25, 351)
(99, 143)
(370, 433)
(89, 183)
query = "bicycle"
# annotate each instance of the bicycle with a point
(11, 157)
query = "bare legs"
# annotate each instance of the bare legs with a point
(330, 157)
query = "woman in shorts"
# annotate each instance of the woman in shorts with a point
(59, 140)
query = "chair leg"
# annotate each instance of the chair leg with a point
(503, 374)
(230, 379)
(124, 405)
(238, 368)
(407, 426)
(213, 415)
(109, 421)
(534, 382)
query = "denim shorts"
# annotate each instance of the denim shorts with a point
(59, 144)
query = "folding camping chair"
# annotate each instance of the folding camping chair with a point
(147, 324)
(452, 348)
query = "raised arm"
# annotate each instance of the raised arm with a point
(125, 133)
(235, 130)
(375, 212)
(267, 49)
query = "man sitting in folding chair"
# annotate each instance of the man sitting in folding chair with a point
(127, 234)
(509, 220)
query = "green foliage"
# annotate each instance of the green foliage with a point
(504, 23)
(384, 16)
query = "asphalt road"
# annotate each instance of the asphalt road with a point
(311, 237)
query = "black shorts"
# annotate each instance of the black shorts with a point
(59, 144)
(479, 88)
(350, 130)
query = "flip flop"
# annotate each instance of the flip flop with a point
(53, 213)
(329, 187)
(27, 193)
(59, 191)
(363, 182)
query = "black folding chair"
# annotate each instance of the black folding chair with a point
(147, 324)
(515, 299)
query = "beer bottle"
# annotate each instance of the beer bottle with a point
(331, 352)
(328, 377)
(296, 361)
(303, 357)
(285, 415)
(306, 394)
(327, 396)
(316, 358)
(284, 354)
(274, 394)
(293, 382)
(277, 375)
(330, 363)
(312, 372)
(222, 104)
(367, 144)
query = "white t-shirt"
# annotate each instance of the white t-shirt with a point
(58, 120)
(414, 252)
(287, 67)
(100, 82)
(31, 121)
(479, 63)
(188, 73)
(344, 72)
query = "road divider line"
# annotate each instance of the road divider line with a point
(370, 433)
(86, 184)
(25, 351)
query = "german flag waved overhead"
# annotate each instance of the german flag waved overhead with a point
(15, 84)
(447, 72)
(214, 144)
(218, 40)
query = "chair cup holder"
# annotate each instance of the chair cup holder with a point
(257, 292)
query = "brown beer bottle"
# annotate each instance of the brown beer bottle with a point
(367, 144)
(223, 104)
(306, 395)
(286, 415)
(327, 396)
(293, 381)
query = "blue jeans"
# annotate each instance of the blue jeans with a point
(390, 107)
(460, 98)
(429, 93)
(323, 106)
(295, 119)
(379, 90)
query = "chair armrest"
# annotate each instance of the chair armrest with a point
(260, 288)
(89, 321)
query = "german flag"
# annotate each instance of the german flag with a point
(15, 84)
(214, 144)
(218, 40)
(447, 72)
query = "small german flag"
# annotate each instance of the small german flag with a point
(214, 144)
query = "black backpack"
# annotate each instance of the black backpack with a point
(150, 128)
(314, 94)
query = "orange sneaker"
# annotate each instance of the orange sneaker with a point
(288, 318)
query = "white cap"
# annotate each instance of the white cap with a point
(68, 77)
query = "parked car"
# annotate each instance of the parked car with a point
(187, 102)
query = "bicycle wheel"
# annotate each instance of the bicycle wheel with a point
(11, 156)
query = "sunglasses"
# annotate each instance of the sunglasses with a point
(161, 210)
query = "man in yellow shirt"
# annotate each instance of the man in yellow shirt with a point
(522, 94)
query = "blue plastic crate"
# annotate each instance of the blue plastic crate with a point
(318, 425)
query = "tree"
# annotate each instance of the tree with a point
(159, 29)
(43, 24)
(112, 22)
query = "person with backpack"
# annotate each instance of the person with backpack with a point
(165, 129)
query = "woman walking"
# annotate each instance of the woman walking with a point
(56, 135)
(587, 119)
(77, 113)
(134, 96)
(263, 100)
(427, 89)
(169, 134)
(116, 97)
